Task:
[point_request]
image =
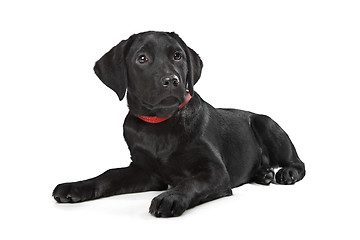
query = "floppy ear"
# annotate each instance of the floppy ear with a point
(111, 69)
(194, 64)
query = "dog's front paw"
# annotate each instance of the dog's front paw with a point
(169, 204)
(71, 193)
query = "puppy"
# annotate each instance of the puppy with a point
(179, 143)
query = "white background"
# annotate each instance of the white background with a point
(296, 61)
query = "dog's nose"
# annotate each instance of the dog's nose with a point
(169, 81)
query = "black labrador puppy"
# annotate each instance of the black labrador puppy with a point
(179, 142)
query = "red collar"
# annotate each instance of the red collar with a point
(159, 120)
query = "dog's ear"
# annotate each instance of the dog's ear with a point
(111, 69)
(194, 64)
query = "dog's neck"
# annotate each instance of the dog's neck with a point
(155, 119)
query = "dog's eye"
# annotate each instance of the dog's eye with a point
(177, 56)
(142, 59)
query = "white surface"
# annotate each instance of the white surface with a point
(296, 62)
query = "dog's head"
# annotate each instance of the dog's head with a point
(156, 68)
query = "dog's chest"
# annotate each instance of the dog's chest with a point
(152, 143)
(161, 151)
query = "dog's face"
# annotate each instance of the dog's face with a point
(156, 68)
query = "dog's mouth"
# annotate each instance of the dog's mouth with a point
(168, 102)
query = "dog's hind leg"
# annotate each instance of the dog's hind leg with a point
(278, 148)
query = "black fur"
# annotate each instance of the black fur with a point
(197, 155)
